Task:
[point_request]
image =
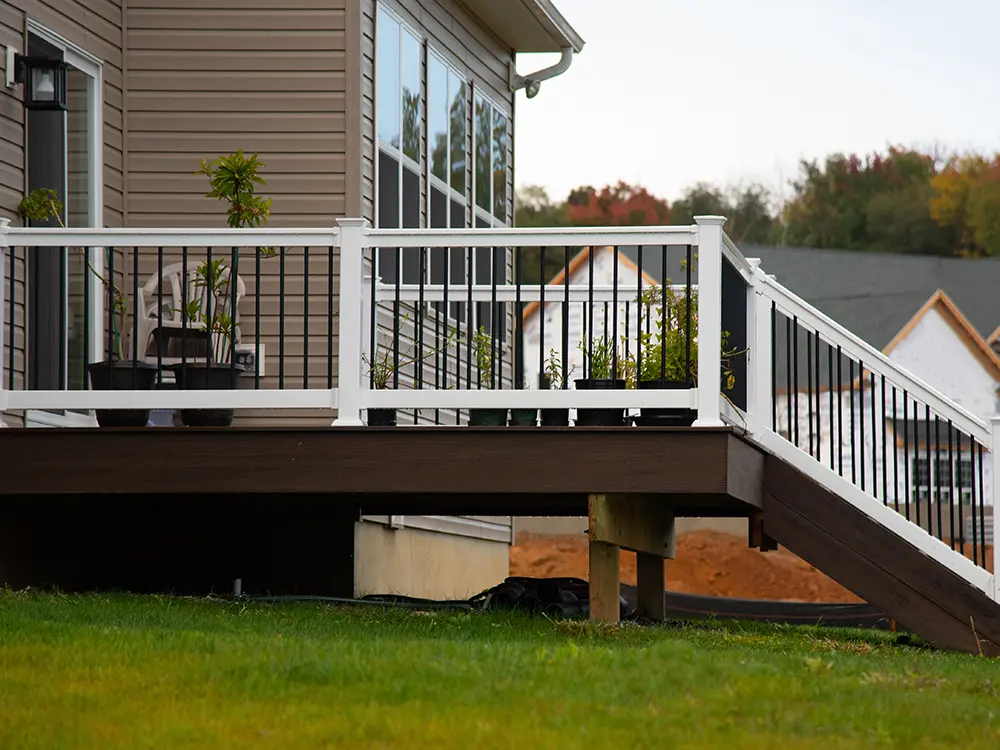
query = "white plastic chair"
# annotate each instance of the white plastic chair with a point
(172, 300)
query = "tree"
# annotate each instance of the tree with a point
(749, 219)
(966, 204)
(618, 205)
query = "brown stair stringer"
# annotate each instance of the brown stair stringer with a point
(885, 570)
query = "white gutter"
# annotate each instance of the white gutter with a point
(532, 82)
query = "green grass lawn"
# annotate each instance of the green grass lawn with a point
(138, 672)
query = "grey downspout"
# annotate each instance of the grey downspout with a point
(532, 82)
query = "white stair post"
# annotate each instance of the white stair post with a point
(759, 343)
(4, 358)
(350, 379)
(709, 319)
(995, 492)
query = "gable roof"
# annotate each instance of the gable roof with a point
(959, 323)
(574, 265)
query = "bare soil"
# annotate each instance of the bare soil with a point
(708, 562)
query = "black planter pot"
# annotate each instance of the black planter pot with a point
(207, 377)
(555, 417)
(523, 417)
(665, 417)
(488, 417)
(381, 417)
(122, 375)
(600, 417)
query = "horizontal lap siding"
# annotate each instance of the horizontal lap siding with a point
(95, 26)
(262, 77)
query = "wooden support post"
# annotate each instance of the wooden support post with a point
(651, 602)
(644, 525)
(605, 583)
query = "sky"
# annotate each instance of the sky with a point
(667, 93)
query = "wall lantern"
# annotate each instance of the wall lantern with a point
(44, 80)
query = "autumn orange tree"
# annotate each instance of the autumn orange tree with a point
(966, 201)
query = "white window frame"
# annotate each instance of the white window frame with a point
(433, 181)
(92, 67)
(397, 153)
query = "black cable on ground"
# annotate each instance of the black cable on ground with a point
(569, 598)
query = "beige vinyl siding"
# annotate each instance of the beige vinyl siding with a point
(263, 77)
(96, 27)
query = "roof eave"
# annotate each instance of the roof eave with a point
(556, 24)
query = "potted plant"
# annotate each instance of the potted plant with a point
(524, 417)
(606, 369)
(233, 179)
(482, 348)
(381, 368)
(553, 378)
(668, 358)
(117, 373)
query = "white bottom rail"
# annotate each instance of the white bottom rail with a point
(873, 508)
(170, 399)
(569, 399)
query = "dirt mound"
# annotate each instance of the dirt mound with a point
(708, 562)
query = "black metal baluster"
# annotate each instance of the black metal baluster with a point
(234, 290)
(638, 314)
(663, 314)
(372, 323)
(829, 393)
(951, 489)
(795, 373)
(112, 336)
(850, 377)
(916, 455)
(11, 309)
(982, 511)
(961, 510)
(305, 318)
(840, 411)
(819, 404)
(519, 327)
(565, 320)
(207, 292)
(809, 387)
(895, 456)
(495, 380)
(885, 466)
(135, 317)
(541, 311)
(281, 318)
(871, 379)
(472, 312)
(329, 315)
(86, 317)
(185, 281)
(861, 418)
(418, 322)
(788, 378)
(614, 313)
(590, 313)
(930, 486)
(937, 474)
(906, 451)
(258, 293)
(159, 316)
(688, 333)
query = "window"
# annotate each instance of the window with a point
(397, 103)
(447, 138)
(490, 188)
(945, 479)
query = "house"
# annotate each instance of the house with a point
(400, 112)
(925, 313)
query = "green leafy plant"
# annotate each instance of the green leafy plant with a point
(482, 349)
(603, 361)
(553, 371)
(43, 204)
(234, 180)
(212, 310)
(382, 367)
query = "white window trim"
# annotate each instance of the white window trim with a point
(93, 67)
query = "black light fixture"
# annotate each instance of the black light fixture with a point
(44, 80)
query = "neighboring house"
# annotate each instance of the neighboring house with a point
(925, 313)
(397, 111)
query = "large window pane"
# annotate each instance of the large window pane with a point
(458, 92)
(411, 96)
(500, 166)
(387, 78)
(483, 151)
(80, 213)
(437, 117)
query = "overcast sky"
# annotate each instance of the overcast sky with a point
(670, 92)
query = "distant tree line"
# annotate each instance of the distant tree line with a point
(901, 201)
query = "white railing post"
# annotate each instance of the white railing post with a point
(995, 493)
(759, 386)
(709, 319)
(4, 358)
(349, 353)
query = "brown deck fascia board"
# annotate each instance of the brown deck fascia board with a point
(405, 460)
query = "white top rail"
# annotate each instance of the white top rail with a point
(554, 293)
(875, 360)
(732, 253)
(193, 238)
(533, 237)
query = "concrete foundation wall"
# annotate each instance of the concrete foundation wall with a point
(420, 563)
